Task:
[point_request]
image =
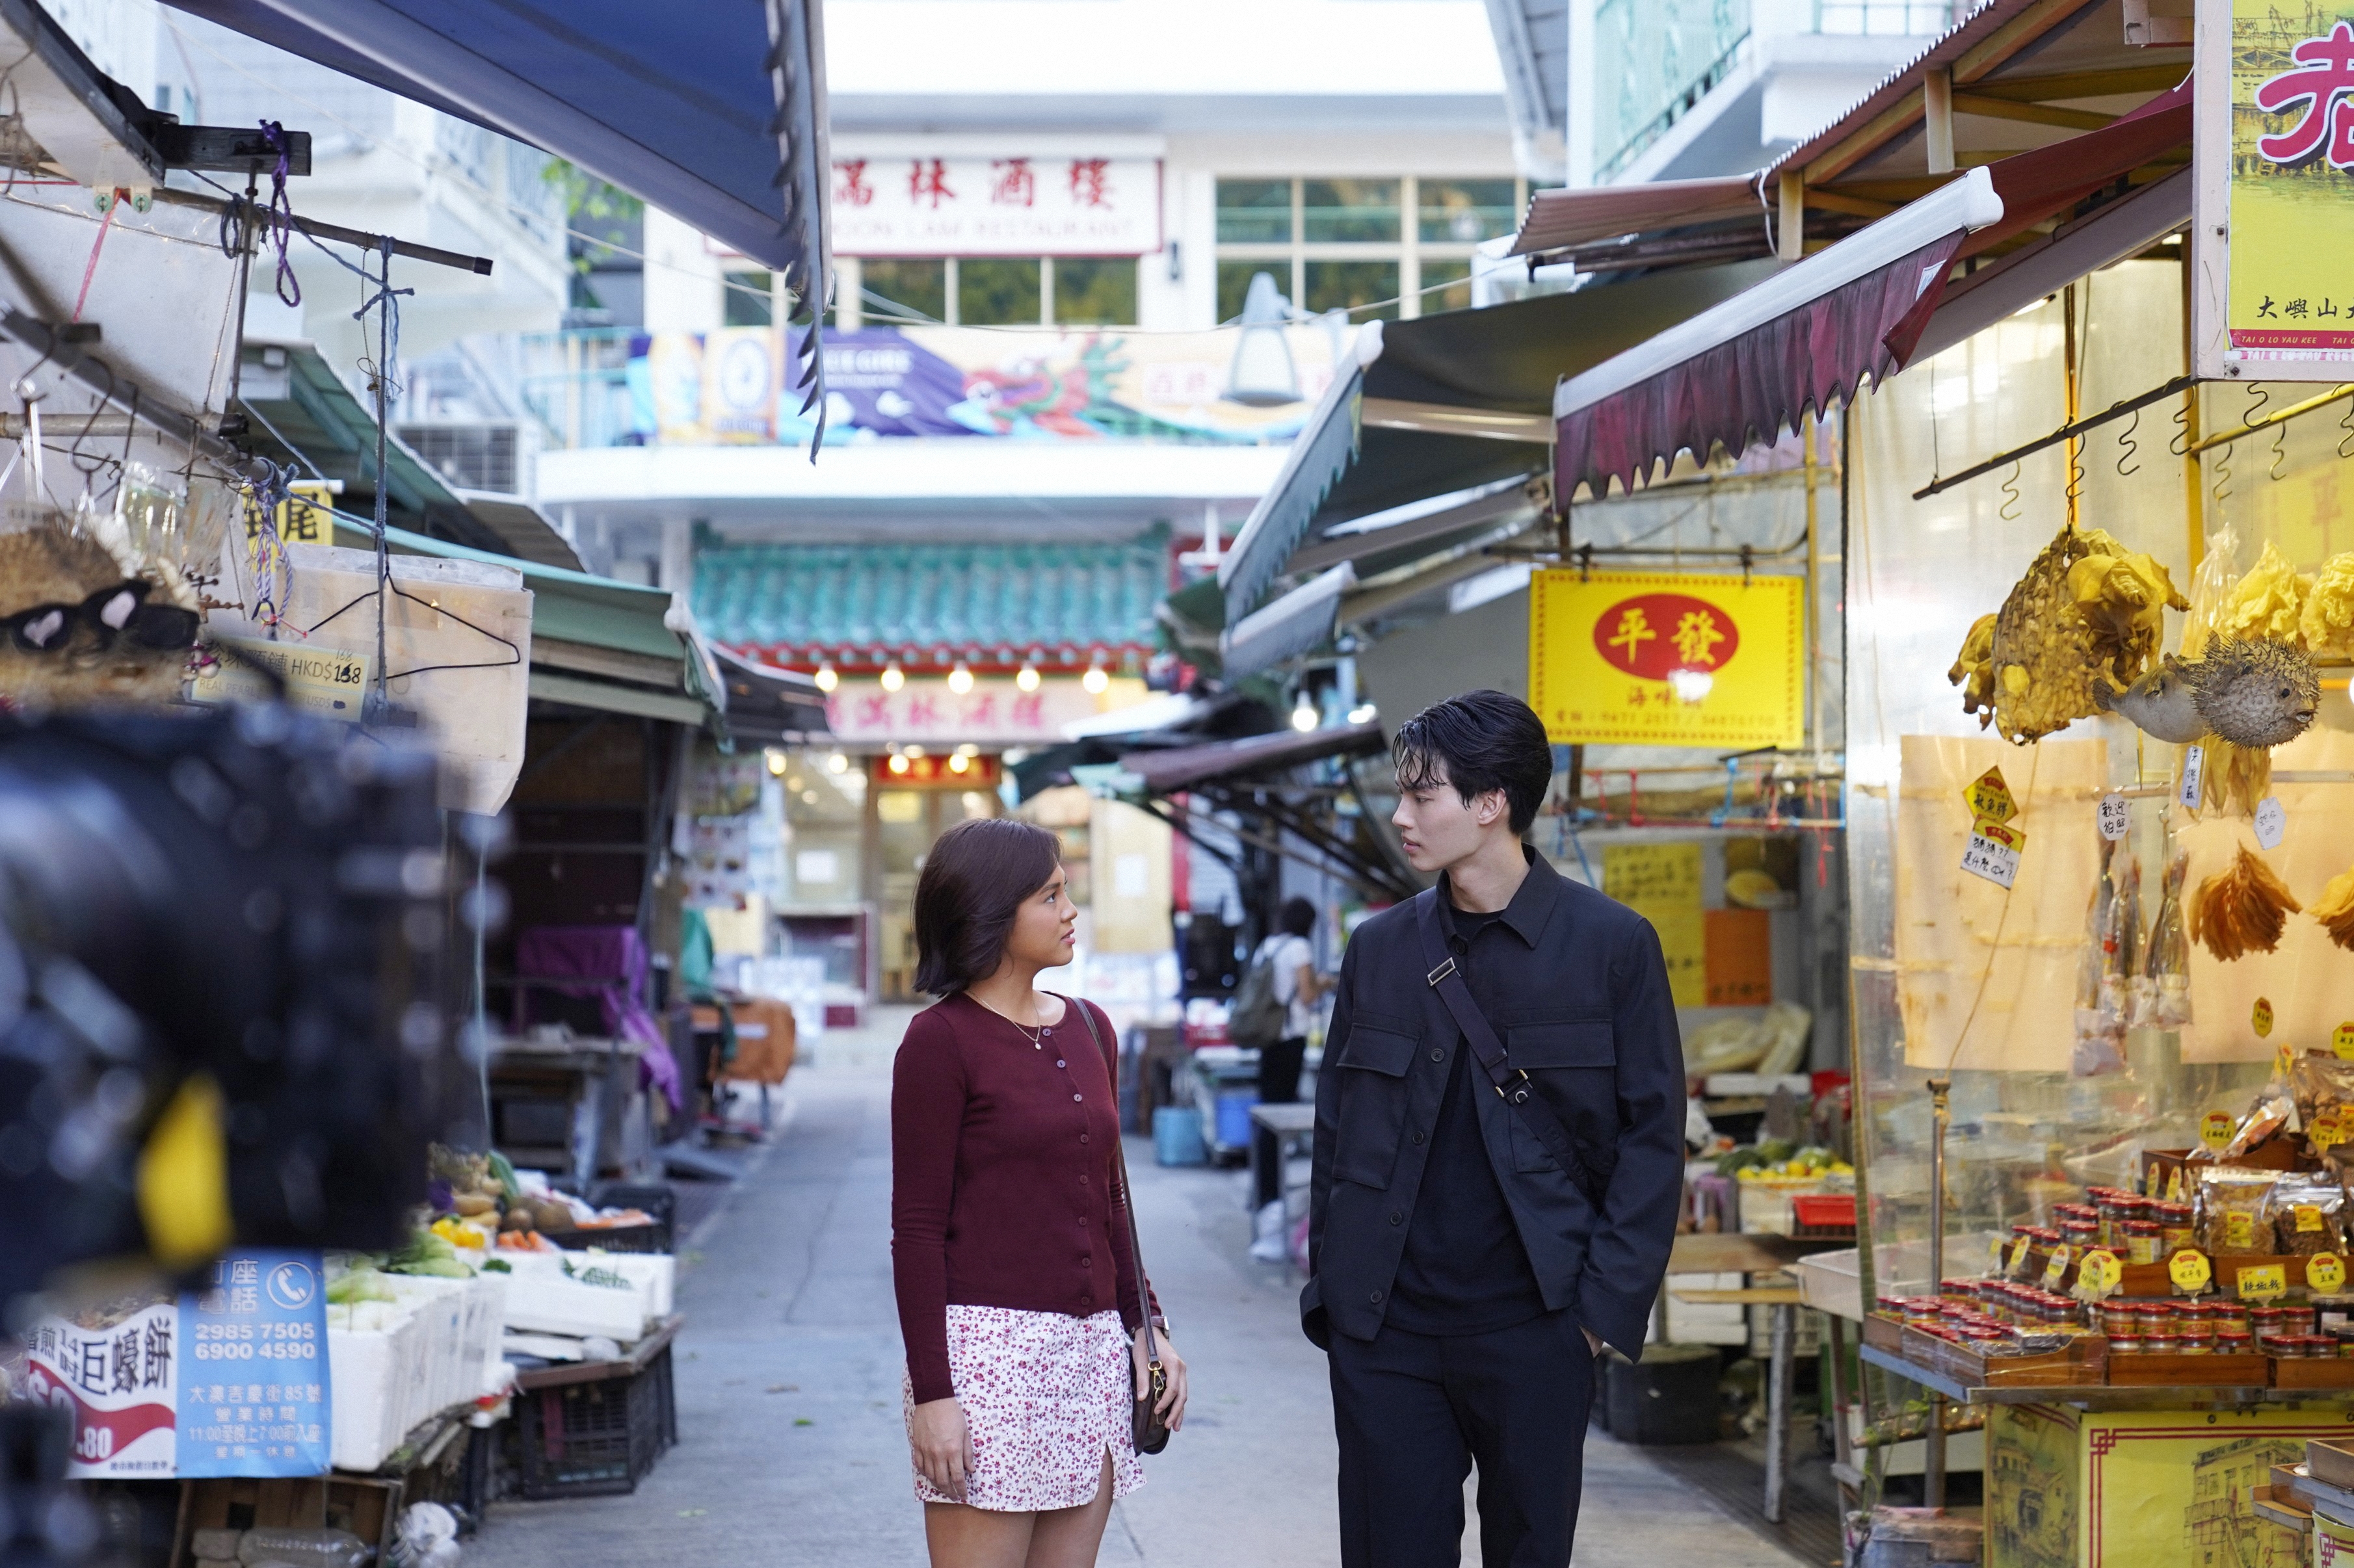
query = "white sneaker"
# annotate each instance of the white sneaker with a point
(1267, 1227)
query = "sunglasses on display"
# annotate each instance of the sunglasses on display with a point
(120, 611)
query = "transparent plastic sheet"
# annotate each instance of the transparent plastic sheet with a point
(1919, 573)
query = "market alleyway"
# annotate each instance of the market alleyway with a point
(791, 1450)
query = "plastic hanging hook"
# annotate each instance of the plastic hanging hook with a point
(2008, 510)
(2127, 448)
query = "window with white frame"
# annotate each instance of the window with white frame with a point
(1376, 248)
(998, 290)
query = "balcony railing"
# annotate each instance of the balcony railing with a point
(1664, 56)
(577, 384)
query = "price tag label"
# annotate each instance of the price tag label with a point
(2194, 772)
(2326, 1131)
(2263, 1281)
(2324, 1273)
(2117, 816)
(2150, 1187)
(2215, 1129)
(1994, 1252)
(2056, 1269)
(2271, 822)
(2341, 1041)
(2174, 1183)
(2019, 1254)
(1993, 851)
(2308, 1215)
(2261, 1016)
(2240, 1230)
(2099, 1273)
(2190, 1270)
(1991, 798)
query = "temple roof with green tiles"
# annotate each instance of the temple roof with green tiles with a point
(987, 604)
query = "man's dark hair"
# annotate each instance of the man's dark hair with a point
(1298, 918)
(975, 879)
(1479, 741)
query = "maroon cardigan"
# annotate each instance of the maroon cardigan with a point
(1003, 1175)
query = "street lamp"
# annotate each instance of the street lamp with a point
(1262, 375)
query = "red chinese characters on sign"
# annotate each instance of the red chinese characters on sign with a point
(2323, 82)
(1090, 182)
(1653, 635)
(851, 187)
(1013, 185)
(927, 180)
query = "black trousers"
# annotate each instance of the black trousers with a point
(1415, 1411)
(1279, 1085)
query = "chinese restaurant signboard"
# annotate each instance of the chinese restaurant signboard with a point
(2275, 214)
(1659, 659)
(996, 207)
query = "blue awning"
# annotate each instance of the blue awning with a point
(713, 111)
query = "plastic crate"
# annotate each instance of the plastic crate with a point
(655, 1237)
(596, 1439)
(655, 1198)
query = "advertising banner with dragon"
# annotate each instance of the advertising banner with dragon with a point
(726, 387)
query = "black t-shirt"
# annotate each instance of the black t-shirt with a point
(1464, 1270)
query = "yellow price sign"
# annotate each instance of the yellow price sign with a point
(2190, 1270)
(2263, 1281)
(1991, 798)
(2099, 1273)
(2261, 1016)
(2325, 1272)
(2215, 1129)
(2019, 1254)
(2325, 1131)
(1994, 1252)
(2056, 1269)
(2341, 1041)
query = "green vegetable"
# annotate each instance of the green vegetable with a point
(498, 1266)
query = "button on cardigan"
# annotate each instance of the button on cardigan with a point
(1003, 1180)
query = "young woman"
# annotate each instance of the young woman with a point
(1018, 1293)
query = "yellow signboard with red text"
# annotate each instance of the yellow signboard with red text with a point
(1666, 658)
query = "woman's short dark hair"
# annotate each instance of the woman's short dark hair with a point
(1298, 917)
(975, 879)
(1479, 741)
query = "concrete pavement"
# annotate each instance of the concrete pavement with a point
(791, 1449)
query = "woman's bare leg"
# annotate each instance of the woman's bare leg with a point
(1070, 1537)
(963, 1537)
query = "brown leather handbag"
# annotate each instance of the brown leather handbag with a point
(1151, 1432)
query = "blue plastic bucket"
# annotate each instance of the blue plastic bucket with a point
(1177, 1136)
(1234, 1117)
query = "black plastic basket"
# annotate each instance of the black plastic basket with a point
(659, 1201)
(596, 1439)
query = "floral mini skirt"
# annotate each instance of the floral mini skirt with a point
(1045, 1396)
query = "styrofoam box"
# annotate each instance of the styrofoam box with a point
(398, 1363)
(652, 1277)
(543, 1301)
(1705, 1323)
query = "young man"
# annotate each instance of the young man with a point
(1499, 1159)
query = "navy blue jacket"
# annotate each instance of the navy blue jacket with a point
(1588, 1016)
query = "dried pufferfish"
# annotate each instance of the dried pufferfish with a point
(2252, 694)
(2336, 910)
(2086, 618)
(2242, 910)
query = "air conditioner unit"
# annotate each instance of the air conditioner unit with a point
(489, 455)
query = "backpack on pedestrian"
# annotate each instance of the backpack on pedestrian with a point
(1257, 1017)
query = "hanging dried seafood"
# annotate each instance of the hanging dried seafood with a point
(2327, 623)
(2336, 909)
(2252, 695)
(2265, 604)
(2086, 619)
(2242, 910)
(2161, 992)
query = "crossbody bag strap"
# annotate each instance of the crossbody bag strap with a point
(1446, 977)
(1126, 1199)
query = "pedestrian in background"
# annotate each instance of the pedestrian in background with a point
(1292, 960)
(1498, 1158)
(1019, 1295)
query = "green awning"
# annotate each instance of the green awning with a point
(595, 643)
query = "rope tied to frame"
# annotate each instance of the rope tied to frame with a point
(386, 303)
(279, 215)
